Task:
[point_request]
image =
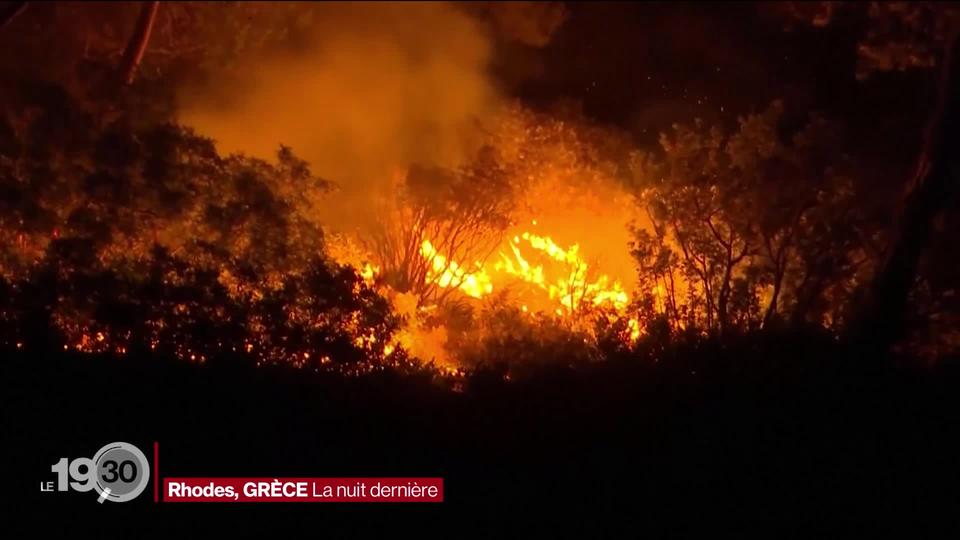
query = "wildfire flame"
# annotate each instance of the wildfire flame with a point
(573, 287)
(448, 273)
(369, 273)
(561, 272)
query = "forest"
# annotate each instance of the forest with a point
(508, 243)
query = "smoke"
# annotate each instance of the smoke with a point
(374, 87)
(529, 23)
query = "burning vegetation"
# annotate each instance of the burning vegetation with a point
(448, 224)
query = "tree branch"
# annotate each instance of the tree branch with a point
(137, 45)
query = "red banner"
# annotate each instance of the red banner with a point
(394, 490)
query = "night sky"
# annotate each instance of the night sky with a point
(645, 66)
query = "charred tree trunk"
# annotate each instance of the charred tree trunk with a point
(722, 300)
(133, 53)
(779, 257)
(774, 299)
(938, 169)
(10, 11)
(809, 291)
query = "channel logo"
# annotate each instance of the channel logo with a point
(118, 472)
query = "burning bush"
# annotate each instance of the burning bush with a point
(439, 217)
(123, 237)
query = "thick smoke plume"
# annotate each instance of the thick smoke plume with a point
(373, 88)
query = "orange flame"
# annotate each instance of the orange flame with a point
(447, 273)
(560, 272)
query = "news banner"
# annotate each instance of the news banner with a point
(120, 472)
(303, 490)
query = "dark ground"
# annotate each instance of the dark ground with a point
(801, 441)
